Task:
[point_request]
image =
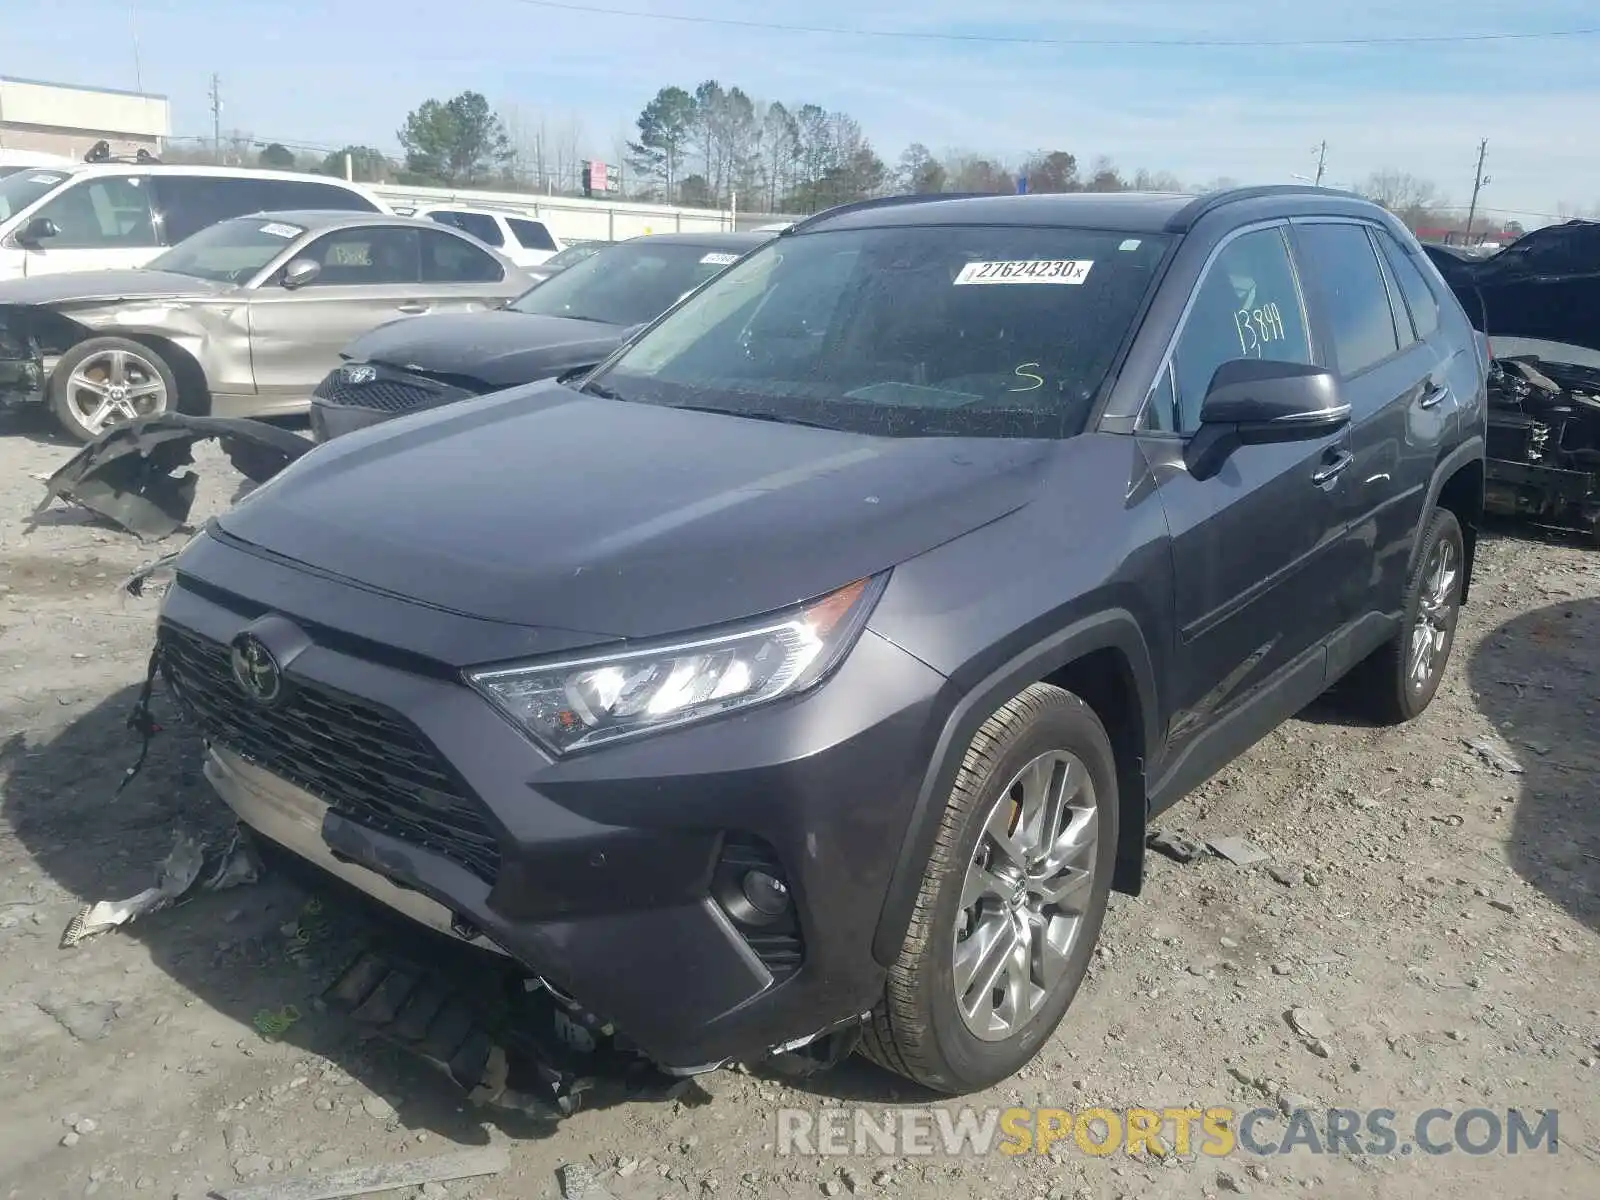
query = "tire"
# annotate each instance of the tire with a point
(1387, 688)
(919, 1029)
(89, 373)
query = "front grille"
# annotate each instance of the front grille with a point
(386, 392)
(365, 762)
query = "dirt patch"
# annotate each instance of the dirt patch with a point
(1424, 933)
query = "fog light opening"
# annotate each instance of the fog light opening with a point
(767, 895)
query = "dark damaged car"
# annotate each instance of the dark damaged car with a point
(1538, 300)
(569, 322)
(808, 675)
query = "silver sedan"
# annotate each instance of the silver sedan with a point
(243, 319)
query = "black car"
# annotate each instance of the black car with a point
(1538, 300)
(570, 321)
(811, 672)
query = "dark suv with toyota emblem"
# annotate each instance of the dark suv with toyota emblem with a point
(809, 671)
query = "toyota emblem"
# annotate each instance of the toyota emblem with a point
(255, 670)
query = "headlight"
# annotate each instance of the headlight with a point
(578, 703)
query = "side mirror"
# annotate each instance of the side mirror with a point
(1253, 401)
(301, 272)
(38, 230)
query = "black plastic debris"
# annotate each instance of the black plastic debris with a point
(128, 474)
(1174, 845)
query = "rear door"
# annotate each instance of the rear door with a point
(371, 274)
(105, 222)
(1401, 410)
(1258, 548)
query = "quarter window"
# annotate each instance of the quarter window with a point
(1346, 279)
(449, 259)
(105, 213)
(532, 234)
(1248, 306)
(1421, 301)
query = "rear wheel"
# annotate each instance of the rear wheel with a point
(1401, 678)
(1012, 900)
(109, 381)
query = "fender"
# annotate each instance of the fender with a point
(1112, 629)
(1473, 449)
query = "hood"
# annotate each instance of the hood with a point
(501, 348)
(1543, 286)
(545, 507)
(103, 287)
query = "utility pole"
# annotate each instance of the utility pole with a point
(216, 118)
(1322, 161)
(1478, 181)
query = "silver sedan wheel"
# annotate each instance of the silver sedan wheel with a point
(1434, 614)
(1025, 894)
(114, 386)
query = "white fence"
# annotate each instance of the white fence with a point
(572, 218)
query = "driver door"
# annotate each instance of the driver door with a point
(371, 274)
(1259, 548)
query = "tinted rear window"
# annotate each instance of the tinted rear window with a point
(532, 234)
(1343, 273)
(485, 228)
(985, 332)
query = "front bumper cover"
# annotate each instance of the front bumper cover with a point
(609, 863)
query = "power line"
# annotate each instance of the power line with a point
(1009, 40)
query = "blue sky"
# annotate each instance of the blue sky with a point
(343, 71)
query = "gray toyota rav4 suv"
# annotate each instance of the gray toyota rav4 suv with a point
(810, 671)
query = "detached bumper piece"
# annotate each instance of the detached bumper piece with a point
(22, 374)
(127, 474)
(1544, 443)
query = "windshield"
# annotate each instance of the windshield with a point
(229, 252)
(625, 284)
(950, 330)
(21, 189)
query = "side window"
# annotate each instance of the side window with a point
(284, 195)
(532, 234)
(1161, 409)
(111, 212)
(447, 259)
(381, 254)
(481, 226)
(1247, 306)
(1404, 334)
(1343, 274)
(190, 203)
(1424, 305)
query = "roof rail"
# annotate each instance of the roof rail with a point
(879, 202)
(1185, 218)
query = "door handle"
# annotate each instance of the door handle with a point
(1434, 398)
(1334, 468)
(412, 307)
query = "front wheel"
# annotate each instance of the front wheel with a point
(1011, 902)
(107, 381)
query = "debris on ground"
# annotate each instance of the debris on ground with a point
(1237, 850)
(1497, 760)
(1174, 845)
(363, 1181)
(234, 867)
(126, 475)
(1314, 1029)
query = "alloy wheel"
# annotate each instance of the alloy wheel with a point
(1430, 635)
(114, 386)
(1025, 894)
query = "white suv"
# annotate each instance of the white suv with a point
(523, 240)
(109, 215)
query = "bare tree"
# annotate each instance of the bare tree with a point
(1410, 198)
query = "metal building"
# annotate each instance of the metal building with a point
(55, 118)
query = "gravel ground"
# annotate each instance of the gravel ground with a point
(1429, 917)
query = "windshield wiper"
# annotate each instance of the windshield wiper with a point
(595, 388)
(780, 418)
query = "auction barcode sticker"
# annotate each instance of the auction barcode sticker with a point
(278, 229)
(718, 259)
(1036, 270)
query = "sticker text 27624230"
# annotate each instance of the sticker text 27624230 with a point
(1036, 270)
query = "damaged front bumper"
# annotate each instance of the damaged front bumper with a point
(1544, 443)
(22, 375)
